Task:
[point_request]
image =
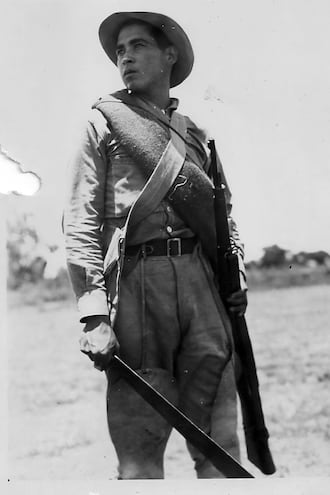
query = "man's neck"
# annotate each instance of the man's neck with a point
(159, 101)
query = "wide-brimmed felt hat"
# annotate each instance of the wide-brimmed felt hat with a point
(111, 26)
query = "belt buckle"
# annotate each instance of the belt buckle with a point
(176, 241)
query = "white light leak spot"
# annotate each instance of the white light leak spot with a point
(13, 179)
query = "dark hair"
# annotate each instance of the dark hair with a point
(161, 38)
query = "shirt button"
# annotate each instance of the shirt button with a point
(169, 229)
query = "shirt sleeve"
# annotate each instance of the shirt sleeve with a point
(83, 219)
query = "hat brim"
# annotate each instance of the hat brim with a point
(111, 26)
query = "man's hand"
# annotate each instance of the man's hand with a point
(98, 341)
(238, 302)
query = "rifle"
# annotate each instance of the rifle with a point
(227, 274)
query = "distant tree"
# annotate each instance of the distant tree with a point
(26, 262)
(319, 257)
(300, 258)
(250, 265)
(273, 256)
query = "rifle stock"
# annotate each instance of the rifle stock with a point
(227, 270)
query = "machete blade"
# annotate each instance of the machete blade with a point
(223, 461)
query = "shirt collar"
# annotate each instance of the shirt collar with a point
(173, 105)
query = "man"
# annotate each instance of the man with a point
(143, 282)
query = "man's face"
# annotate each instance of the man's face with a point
(141, 63)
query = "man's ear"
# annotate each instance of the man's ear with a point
(172, 54)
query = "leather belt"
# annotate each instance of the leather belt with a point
(175, 246)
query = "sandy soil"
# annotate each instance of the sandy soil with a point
(57, 423)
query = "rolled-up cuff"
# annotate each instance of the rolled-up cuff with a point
(242, 281)
(93, 303)
(242, 274)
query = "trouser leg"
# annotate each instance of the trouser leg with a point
(138, 432)
(148, 343)
(205, 367)
(223, 425)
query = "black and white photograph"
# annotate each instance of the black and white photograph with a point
(165, 246)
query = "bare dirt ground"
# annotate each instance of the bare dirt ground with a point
(57, 423)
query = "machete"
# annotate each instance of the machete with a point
(223, 461)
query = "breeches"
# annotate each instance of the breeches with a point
(173, 329)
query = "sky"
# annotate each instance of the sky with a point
(260, 86)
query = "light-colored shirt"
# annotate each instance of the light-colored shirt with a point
(104, 182)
